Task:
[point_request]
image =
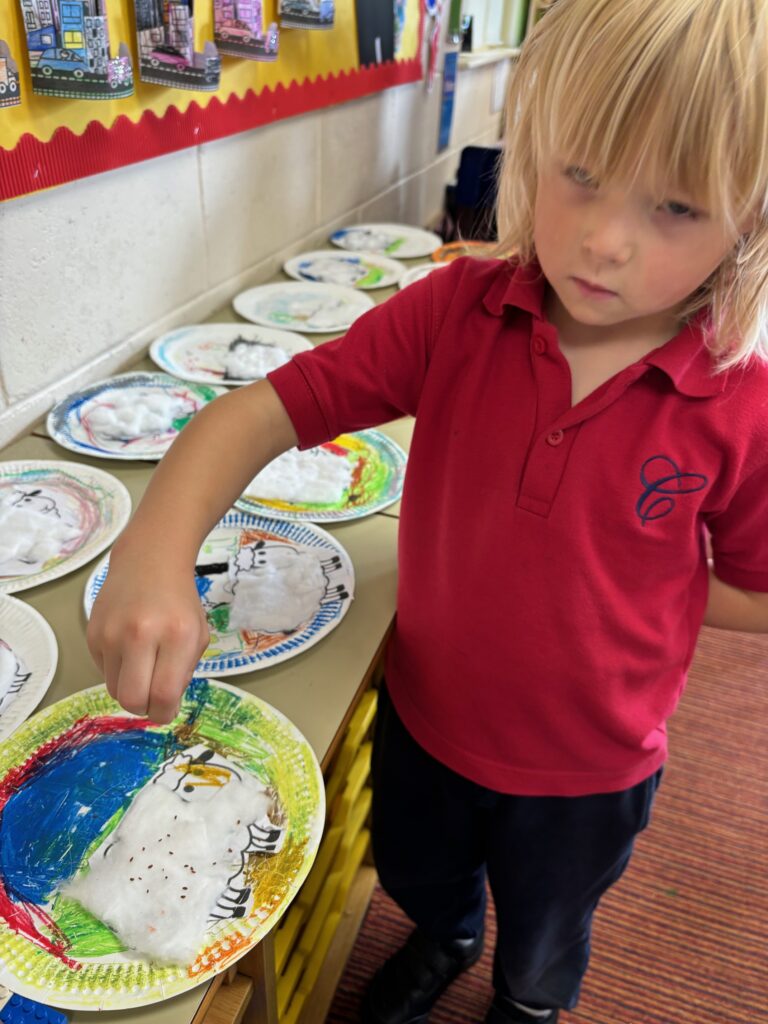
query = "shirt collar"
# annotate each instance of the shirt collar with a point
(520, 285)
(685, 359)
(688, 362)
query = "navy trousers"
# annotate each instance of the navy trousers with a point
(438, 837)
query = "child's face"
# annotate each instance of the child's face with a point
(614, 254)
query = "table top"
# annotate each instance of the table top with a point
(314, 690)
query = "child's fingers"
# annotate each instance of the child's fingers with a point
(110, 667)
(135, 678)
(173, 670)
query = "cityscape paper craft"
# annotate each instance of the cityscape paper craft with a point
(166, 36)
(69, 51)
(239, 30)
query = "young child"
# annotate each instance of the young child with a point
(586, 414)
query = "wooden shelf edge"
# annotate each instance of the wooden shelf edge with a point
(210, 995)
(319, 1001)
(231, 1002)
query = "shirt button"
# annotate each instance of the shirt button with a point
(555, 438)
(539, 346)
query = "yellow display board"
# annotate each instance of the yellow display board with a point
(47, 140)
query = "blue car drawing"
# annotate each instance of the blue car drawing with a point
(62, 60)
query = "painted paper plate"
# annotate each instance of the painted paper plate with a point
(55, 517)
(225, 353)
(68, 778)
(466, 247)
(28, 658)
(308, 307)
(374, 469)
(365, 270)
(129, 416)
(304, 574)
(418, 273)
(400, 240)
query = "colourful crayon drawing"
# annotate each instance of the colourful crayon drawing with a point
(225, 353)
(215, 587)
(304, 306)
(377, 482)
(166, 36)
(129, 416)
(69, 51)
(10, 90)
(352, 270)
(67, 779)
(54, 517)
(232, 651)
(367, 238)
(239, 30)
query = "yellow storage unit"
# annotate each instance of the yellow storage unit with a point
(306, 933)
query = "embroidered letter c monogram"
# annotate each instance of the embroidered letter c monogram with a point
(661, 475)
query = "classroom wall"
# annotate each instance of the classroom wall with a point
(93, 271)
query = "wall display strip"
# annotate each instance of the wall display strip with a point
(53, 144)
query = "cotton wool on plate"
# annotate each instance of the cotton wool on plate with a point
(253, 360)
(337, 271)
(276, 587)
(315, 476)
(156, 879)
(31, 537)
(128, 414)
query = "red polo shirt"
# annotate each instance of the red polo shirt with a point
(553, 575)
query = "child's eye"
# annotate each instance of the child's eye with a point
(680, 211)
(580, 176)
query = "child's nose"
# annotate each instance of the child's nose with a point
(609, 240)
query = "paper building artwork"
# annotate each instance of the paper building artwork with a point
(10, 92)
(165, 31)
(306, 13)
(239, 30)
(69, 53)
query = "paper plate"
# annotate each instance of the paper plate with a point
(93, 503)
(365, 270)
(308, 307)
(468, 247)
(155, 406)
(25, 633)
(377, 482)
(199, 352)
(400, 240)
(234, 651)
(67, 777)
(417, 273)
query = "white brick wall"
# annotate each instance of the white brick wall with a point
(92, 271)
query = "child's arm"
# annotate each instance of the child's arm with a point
(731, 608)
(148, 630)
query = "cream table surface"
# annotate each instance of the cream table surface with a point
(316, 690)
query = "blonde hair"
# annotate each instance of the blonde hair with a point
(678, 88)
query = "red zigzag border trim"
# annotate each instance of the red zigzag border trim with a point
(34, 165)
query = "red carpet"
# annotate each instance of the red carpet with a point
(683, 937)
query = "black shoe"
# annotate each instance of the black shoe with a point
(406, 988)
(503, 1011)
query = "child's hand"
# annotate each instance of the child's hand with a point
(146, 635)
(148, 628)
